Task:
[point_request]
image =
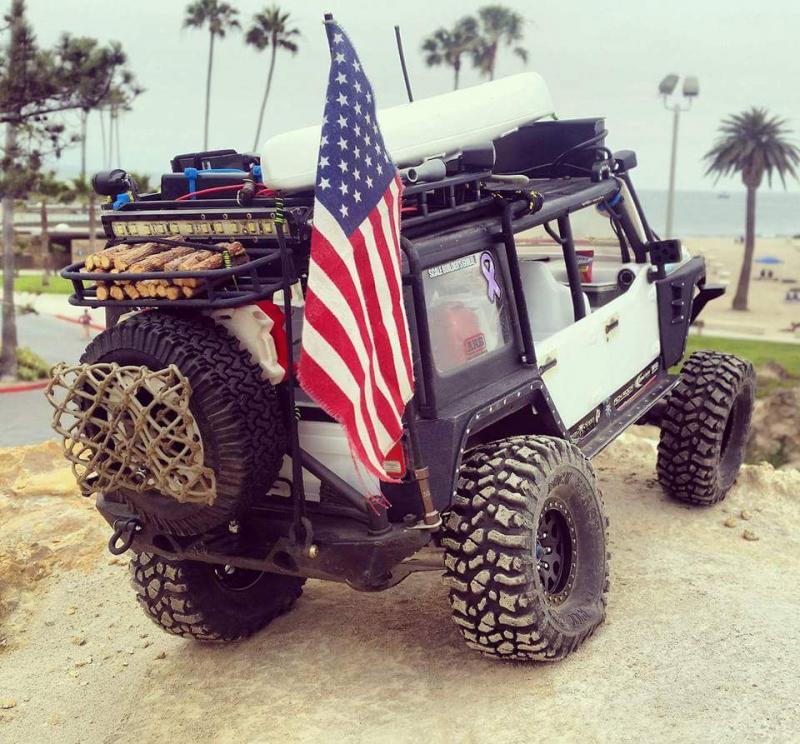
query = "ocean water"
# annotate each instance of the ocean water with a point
(697, 213)
(709, 213)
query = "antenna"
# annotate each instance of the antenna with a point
(403, 63)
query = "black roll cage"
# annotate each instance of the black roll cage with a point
(460, 215)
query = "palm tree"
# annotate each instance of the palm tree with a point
(752, 143)
(220, 18)
(498, 24)
(447, 46)
(270, 29)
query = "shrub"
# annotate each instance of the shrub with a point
(31, 366)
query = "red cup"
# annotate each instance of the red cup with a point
(585, 262)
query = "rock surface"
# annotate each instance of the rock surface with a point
(697, 645)
(776, 429)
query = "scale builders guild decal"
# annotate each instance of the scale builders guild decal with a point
(615, 402)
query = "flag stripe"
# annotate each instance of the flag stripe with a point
(328, 319)
(396, 309)
(364, 252)
(334, 256)
(340, 381)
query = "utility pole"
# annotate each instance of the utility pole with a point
(691, 89)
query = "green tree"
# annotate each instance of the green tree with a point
(752, 144)
(270, 29)
(143, 181)
(94, 61)
(36, 86)
(498, 25)
(116, 102)
(81, 191)
(219, 18)
(47, 189)
(447, 46)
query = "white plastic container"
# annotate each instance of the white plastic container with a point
(328, 443)
(414, 132)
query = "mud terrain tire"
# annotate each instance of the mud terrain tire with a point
(238, 413)
(203, 601)
(518, 591)
(705, 427)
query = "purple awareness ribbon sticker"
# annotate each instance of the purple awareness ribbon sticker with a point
(487, 267)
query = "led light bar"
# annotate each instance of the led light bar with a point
(226, 228)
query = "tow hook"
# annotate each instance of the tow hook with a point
(124, 532)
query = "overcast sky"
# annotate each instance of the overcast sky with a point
(599, 59)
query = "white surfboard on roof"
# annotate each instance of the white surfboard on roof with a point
(416, 131)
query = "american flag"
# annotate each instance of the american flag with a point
(356, 355)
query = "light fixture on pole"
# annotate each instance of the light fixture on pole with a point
(666, 88)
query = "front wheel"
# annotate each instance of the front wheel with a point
(209, 602)
(526, 549)
(705, 427)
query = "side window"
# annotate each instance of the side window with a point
(467, 311)
(592, 229)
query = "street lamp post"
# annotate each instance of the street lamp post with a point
(690, 90)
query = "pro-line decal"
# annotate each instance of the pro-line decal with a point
(627, 391)
(587, 424)
(615, 402)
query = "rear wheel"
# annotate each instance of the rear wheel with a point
(238, 414)
(705, 427)
(526, 549)
(209, 602)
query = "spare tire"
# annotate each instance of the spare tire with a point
(239, 415)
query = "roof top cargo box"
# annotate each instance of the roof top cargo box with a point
(416, 131)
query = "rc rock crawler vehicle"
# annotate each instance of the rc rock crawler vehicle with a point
(545, 316)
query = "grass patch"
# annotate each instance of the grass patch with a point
(33, 283)
(760, 353)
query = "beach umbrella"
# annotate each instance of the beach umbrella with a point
(768, 260)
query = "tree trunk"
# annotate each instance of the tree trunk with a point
(457, 71)
(103, 135)
(743, 287)
(266, 95)
(116, 126)
(208, 89)
(110, 136)
(44, 245)
(92, 222)
(84, 118)
(8, 356)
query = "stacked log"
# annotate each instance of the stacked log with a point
(159, 257)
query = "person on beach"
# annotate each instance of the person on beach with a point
(85, 320)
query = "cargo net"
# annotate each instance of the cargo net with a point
(130, 428)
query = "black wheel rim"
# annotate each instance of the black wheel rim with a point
(556, 551)
(235, 579)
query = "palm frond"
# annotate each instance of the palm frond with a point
(271, 27)
(754, 144)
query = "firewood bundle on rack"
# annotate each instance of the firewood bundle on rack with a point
(149, 257)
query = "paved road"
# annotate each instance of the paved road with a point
(25, 417)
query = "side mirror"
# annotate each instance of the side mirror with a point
(111, 183)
